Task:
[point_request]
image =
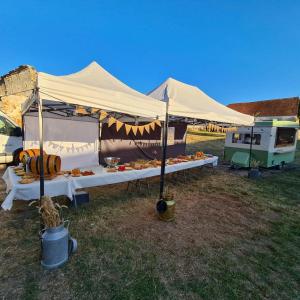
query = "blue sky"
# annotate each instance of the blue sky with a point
(234, 50)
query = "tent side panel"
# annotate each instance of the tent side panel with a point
(148, 146)
(75, 141)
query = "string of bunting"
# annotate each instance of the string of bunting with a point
(214, 128)
(128, 128)
(64, 146)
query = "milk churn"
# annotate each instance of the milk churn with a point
(57, 246)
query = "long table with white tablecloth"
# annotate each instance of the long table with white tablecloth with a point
(68, 185)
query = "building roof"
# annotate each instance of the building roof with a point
(267, 108)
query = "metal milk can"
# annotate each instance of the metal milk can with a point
(57, 246)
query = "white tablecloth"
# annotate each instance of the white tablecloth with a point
(67, 186)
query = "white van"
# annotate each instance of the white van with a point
(10, 140)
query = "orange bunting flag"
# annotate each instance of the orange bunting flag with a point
(157, 122)
(135, 129)
(111, 121)
(127, 128)
(152, 125)
(81, 110)
(141, 129)
(147, 127)
(95, 110)
(119, 125)
(103, 115)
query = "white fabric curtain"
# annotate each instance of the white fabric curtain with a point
(76, 142)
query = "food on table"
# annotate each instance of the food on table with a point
(87, 173)
(75, 173)
(155, 163)
(141, 161)
(26, 180)
(112, 161)
(18, 168)
(184, 157)
(199, 154)
(121, 168)
(20, 173)
(128, 168)
(29, 176)
(138, 167)
(111, 170)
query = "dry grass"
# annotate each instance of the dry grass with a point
(232, 238)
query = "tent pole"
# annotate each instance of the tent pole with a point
(164, 153)
(41, 140)
(100, 140)
(250, 150)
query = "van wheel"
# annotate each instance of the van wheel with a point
(16, 159)
(280, 166)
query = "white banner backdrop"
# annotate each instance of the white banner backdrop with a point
(76, 142)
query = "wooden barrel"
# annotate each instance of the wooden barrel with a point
(29, 153)
(52, 164)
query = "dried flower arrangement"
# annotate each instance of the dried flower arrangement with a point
(50, 212)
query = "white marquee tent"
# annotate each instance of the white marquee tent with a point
(76, 139)
(189, 101)
(95, 87)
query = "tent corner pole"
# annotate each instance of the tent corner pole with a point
(41, 143)
(164, 154)
(250, 148)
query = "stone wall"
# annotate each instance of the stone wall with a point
(15, 88)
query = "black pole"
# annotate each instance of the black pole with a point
(99, 141)
(164, 154)
(41, 139)
(250, 150)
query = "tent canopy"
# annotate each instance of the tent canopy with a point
(95, 87)
(189, 101)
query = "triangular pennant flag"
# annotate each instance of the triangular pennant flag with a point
(127, 128)
(141, 129)
(80, 110)
(103, 115)
(157, 122)
(111, 121)
(94, 110)
(152, 125)
(147, 127)
(119, 124)
(134, 129)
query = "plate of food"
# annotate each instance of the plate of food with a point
(20, 173)
(26, 180)
(75, 173)
(87, 173)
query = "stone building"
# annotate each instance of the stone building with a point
(15, 88)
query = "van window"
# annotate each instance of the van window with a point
(2, 126)
(245, 138)
(285, 137)
(6, 128)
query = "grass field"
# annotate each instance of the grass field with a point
(233, 238)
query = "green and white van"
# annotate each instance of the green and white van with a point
(273, 144)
